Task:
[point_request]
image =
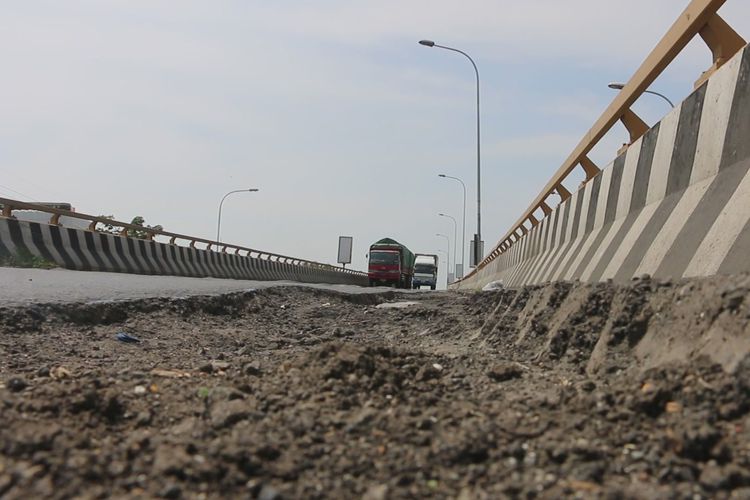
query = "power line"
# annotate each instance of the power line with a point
(6, 188)
(37, 187)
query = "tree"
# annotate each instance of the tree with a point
(142, 233)
(107, 228)
(132, 233)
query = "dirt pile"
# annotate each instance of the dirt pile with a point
(552, 391)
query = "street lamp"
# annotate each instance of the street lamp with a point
(478, 235)
(455, 226)
(448, 265)
(620, 86)
(218, 224)
(463, 228)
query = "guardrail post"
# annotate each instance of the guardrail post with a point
(590, 168)
(563, 192)
(636, 127)
(54, 220)
(534, 221)
(723, 41)
(545, 208)
(7, 210)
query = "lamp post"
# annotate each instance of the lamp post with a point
(620, 86)
(455, 226)
(448, 265)
(463, 227)
(478, 235)
(218, 224)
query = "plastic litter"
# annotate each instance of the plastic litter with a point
(129, 339)
(495, 285)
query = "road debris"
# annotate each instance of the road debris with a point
(127, 338)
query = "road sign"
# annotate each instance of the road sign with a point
(345, 250)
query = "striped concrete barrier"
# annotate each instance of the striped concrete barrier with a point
(675, 204)
(98, 251)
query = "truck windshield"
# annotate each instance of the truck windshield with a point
(424, 268)
(389, 258)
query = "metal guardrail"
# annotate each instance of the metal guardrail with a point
(699, 18)
(8, 206)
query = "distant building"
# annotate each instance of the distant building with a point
(55, 205)
(44, 217)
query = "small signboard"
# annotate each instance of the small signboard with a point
(345, 250)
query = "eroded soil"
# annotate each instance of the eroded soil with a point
(565, 390)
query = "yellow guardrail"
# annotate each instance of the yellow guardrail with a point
(699, 18)
(8, 206)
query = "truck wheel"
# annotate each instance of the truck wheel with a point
(432, 287)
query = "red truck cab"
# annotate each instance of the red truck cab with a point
(384, 267)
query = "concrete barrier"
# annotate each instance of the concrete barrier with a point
(675, 204)
(97, 251)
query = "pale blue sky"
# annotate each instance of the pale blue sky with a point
(331, 108)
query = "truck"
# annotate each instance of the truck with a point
(391, 264)
(425, 270)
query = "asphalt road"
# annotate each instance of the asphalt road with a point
(20, 287)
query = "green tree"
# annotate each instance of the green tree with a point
(107, 228)
(142, 233)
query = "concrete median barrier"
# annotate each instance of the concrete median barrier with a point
(675, 204)
(97, 251)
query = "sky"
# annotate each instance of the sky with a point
(330, 108)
